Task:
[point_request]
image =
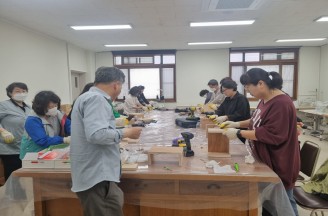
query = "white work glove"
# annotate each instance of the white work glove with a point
(67, 140)
(144, 108)
(231, 124)
(231, 133)
(221, 119)
(7, 136)
(212, 117)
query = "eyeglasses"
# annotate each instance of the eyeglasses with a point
(223, 90)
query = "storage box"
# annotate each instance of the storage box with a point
(31, 161)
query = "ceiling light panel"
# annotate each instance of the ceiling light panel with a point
(300, 40)
(101, 27)
(223, 23)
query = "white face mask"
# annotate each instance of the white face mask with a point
(213, 89)
(19, 96)
(205, 96)
(52, 111)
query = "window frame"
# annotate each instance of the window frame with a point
(279, 62)
(148, 53)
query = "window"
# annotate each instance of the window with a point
(283, 61)
(153, 69)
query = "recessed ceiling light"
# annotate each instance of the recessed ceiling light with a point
(322, 19)
(209, 43)
(224, 23)
(301, 40)
(126, 45)
(101, 27)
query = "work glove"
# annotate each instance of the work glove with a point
(7, 136)
(144, 108)
(220, 119)
(213, 106)
(231, 133)
(231, 124)
(212, 117)
(67, 140)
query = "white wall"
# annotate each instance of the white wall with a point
(38, 60)
(195, 69)
(104, 59)
(309, 70)
(324, 74)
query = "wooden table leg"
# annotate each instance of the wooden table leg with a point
(253, 199)
(39, 205)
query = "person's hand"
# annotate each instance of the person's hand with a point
(231, 133)
(220, 119)
(213, 106)
(67, 140)
(7, 136)
(231, 124)
(144, 108)
(132, 133)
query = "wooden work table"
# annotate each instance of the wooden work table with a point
(165, 188)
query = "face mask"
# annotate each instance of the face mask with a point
(213, 89)
(19, 96)
(205, 96)
(52, 111)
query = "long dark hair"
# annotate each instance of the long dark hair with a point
(254, 75)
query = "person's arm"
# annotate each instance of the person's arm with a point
(242, 110)
(218, 98)
(220, 110)
(67, 127)
(97, 127)
(35, 129)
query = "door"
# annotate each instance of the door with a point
(77, 83)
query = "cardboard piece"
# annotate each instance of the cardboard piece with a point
(130, 167)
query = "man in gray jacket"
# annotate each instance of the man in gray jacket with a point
(94, 151)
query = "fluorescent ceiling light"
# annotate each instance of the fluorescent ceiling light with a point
(126, 45)
(224, 23)
(301, 40)
(101, 27)
(322, 19)
(209, 43)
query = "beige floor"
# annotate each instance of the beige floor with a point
(322, 157)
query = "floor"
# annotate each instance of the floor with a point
(322, 157)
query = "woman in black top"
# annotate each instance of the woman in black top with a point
(235, 106)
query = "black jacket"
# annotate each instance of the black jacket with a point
(236, 108)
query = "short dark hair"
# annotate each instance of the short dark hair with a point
(224, 79)
(13, 85)
(203, 92)
(254, 75)
(41, 101)
(141, 87)
(229, 84)
(213, 82)
(134, 91)
(108, 75)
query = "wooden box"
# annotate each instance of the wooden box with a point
(205, 121)
(165, 150)
(218, 144)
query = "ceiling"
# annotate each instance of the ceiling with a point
(164, 24)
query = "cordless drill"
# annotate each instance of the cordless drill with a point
(187, 136)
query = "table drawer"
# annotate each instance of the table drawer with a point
(147, 186)
(213, 188)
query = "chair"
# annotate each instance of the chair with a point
(310, 201)
(309, 156)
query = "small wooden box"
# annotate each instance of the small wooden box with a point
(209, 126)
(218, 143)
(165, 150)
(205, 121)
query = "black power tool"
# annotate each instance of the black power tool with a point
(187, 136)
